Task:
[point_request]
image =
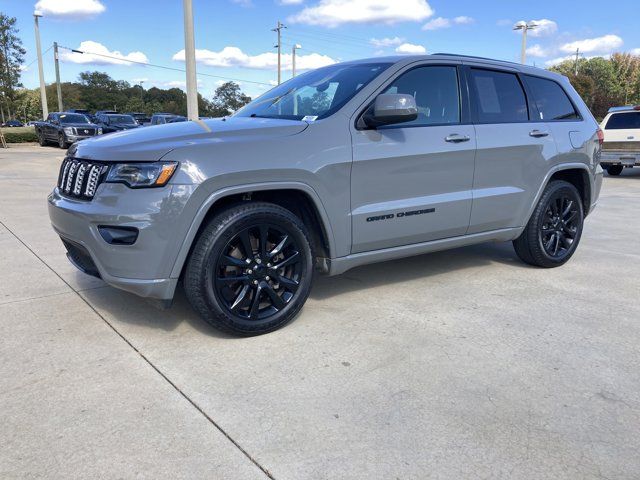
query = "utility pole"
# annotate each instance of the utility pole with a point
(278, 29)
(577, 56)
(524, 27)
(58, 87)
(43, 90)
(190, 61)
(297, 46)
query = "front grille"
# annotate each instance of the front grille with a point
(622, 146)
(81, 131)
(80, 178)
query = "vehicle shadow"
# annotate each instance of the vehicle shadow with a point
(119, 307)
(411, 268)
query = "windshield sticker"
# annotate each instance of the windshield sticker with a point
(310, 118)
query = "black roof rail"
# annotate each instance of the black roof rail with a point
(477, 58)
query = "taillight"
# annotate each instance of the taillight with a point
(600, 136)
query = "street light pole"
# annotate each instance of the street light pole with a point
(524, 27)
(43, 91)
(190, 61)
(58, 87)
(293, 59)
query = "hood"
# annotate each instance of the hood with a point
(152, 143)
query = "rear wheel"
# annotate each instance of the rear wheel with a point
(615, 170)
(554, 229)
(250, 271)
(62, 141)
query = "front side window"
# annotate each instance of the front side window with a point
(623, 121)
(499, 97)
(551, 100)
(122, 119)
(318, 93)
(436, 92)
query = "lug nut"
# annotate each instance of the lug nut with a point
(269, 265)
(267, 278)
(255, 282)
(258, 261)
(247, 261)
(249, 271)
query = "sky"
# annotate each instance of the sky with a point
(234, 38)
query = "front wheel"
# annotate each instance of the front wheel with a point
(250, 271)
(41, 139)
(554, 229)
(62, 141)
(615, 170)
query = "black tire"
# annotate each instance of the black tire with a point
(614, 170)
(554, 229)
(237, 296)
(41, 139)
(62, 141)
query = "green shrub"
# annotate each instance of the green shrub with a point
(20, 135)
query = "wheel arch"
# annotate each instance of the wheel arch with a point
(299, 198)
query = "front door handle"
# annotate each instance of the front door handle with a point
(456, 138)
(538, 133)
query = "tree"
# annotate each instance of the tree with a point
(227, 99)
(11, 59)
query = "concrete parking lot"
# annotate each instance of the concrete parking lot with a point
(463, 364)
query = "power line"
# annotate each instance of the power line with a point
(36, 59)
(161, 66)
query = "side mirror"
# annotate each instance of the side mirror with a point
(391, 108)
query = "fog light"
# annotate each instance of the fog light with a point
(118, 235)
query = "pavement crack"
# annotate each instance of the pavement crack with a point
(149, 362)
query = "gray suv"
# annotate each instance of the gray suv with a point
(350, 164)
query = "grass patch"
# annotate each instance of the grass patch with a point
(20, 134)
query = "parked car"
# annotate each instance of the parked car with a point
(65, 128)
(621, 147)
(162, 118)
(177, 119)
(116, 122)
(403, 156)
(106, 112)
(13, 123)
(140, 118)
(83, 111)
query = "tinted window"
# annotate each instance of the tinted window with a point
(619, 121)
(499, 97)
(436, 92)
(73, 118)
(122, 119)
(551, 100)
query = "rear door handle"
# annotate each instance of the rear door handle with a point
(538, 133)
(456, 138)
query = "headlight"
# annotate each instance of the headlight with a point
(138, 175)
(99, 130)
(68, 130)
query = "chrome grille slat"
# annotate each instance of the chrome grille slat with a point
(80, 178)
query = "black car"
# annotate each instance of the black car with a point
(141, 118)
(13, 123)
(116, 122)
(162, 118)
(65, 128)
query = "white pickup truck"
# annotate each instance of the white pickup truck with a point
(621, 147)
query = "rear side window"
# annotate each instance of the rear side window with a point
(436, 92)
(499, 97)
(621, 121)
(551, 100)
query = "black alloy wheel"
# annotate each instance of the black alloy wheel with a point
(258, 272)
(251, 269)
(62, 142)
(560, 225)
(554, 229)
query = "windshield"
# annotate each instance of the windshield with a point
(122, 119)
(315, 94)
(73, 118)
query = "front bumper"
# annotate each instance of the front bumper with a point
(626, 159)
(77, 138)
(143, 268)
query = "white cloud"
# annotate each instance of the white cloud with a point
(90, 48)
(544, 27)
(559, 60)
(410, 49)
(386, 42)
(603, 44)
(332, 13)
(235, 57)
(243, 3)
(635, 51)
(70, 9)
(537, 51)
(290, 2)
(440, 22)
